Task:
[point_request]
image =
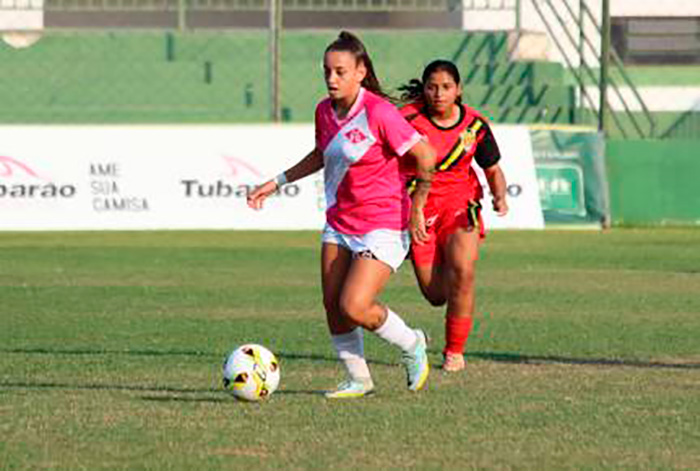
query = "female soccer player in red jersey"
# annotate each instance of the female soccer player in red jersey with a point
(445, 264)
(360, 139)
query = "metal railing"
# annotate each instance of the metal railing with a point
(171, 16)
(584, 73)
(209, 5)
(687, 126)
(213, 66)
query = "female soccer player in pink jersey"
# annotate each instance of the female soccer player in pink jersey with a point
(444, 264)
(360, 138)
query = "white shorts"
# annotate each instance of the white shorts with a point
(386, 245)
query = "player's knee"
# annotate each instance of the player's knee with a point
(433, 293)
(435, 299)
(354, 308)
(463, 279)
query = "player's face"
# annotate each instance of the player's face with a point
(441, 92)
(343, 75)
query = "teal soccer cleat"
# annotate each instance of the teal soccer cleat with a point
(351, 388)
(416, 363)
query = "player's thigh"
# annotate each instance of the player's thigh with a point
(428, 265)
(426, 275)
(365, 280)
(430, 280)
(462, 251)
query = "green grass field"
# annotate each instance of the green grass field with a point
(585, 357)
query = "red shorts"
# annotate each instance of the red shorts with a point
(442, 221)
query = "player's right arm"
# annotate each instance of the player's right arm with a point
(312, 163)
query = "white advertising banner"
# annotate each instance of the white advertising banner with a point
(152, 177)
(190, 177)
(518, 165)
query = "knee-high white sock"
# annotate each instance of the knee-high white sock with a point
(396, 332)
(351, 351)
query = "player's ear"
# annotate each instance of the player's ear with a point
(361, 71)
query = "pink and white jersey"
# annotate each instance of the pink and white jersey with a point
(364, 186)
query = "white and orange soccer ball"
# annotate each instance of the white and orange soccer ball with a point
(251, 372)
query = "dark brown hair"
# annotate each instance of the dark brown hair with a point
(348, 42)
(413, 90)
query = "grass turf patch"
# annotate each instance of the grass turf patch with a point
(584, 356)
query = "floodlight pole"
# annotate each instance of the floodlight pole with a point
(182, 15)
(275, 31)
(604, 67)
(580, 114)
(518, 28)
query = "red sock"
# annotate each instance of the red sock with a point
(456, 333)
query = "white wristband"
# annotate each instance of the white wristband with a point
(281, 179)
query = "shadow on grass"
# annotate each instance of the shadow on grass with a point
(229, 398)
(39, 385)
(158, 393)
(225, 398)
(167, 399)
(503, 357)
(100, 351)
(165, 353)
(543, 359)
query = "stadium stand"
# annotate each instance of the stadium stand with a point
(223, 76)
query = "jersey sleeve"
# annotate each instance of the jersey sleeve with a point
(410, 111)
(487, 153)
(394, 129)
(317, 126)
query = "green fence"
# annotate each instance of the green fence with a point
(224, 76)
(210, 61)
(654, 182)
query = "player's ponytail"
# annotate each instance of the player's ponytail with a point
(413, 90)
(348, 42)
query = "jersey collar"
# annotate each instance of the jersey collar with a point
(353, 109)
(462, 114)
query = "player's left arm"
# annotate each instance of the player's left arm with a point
(487, 156)
(425, 157)
(404, 140)
(497, 184)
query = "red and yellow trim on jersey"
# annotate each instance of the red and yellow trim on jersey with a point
(466, 140)
(474, 208)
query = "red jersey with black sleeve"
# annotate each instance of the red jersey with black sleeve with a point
(455, 181)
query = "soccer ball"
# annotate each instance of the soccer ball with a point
(251, 372)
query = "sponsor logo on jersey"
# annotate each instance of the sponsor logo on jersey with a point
(468, 137)
(355, 136)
